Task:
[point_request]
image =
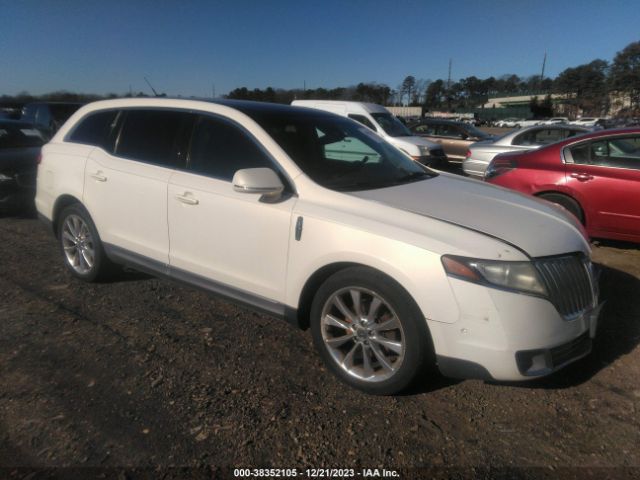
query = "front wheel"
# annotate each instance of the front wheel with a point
(369, 331)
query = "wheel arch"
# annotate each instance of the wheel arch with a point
(317, 278)
(570, 197)
(62, 202)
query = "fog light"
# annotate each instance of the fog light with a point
(534, 362)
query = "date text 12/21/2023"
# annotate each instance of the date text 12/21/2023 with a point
(314, 473)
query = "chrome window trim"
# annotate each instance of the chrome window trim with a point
(568, 159)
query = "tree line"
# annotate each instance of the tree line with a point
(589, 88)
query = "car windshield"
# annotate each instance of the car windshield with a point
(391, 125)
(476, 132)
(340, 154)
(18, 136)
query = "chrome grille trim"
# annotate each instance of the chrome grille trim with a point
(569, 282)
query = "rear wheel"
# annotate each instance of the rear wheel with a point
(80, 245)
(566, 202)
(369, 331)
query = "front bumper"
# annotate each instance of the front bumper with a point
(508, 336)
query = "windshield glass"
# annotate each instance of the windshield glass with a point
(391, 125)
(340, 154)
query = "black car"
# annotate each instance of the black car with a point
(20, 144)
(49, 116)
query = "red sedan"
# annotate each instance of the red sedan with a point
(595, 176)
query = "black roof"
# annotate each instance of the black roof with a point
(253, 109)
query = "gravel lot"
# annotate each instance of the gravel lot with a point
(142, 373)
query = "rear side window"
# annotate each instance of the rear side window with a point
(219, 149)
(95, 129)
(154, 136)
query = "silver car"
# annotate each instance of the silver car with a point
(481, 153)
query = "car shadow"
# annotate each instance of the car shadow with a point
(618, 244)
(618, 332)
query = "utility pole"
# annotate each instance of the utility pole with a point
(449, 77)
(213, 90)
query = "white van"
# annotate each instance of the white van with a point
(382, 121)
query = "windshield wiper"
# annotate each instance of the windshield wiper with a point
(410, 177)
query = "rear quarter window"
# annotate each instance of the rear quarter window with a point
(94, 129)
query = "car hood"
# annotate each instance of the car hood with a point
(534, 226)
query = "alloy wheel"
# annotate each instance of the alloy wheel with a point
(78, 245)
(363, 334)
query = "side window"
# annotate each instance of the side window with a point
(94, 129)
(363, 120)
(425, 128)
(43, 117)
(154, 136)
(526, 138)
(593, 153)
(219, 149)
(449, 131)
(624, 152)
(599, 153)
(548, 135)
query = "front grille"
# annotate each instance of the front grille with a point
(568, 281)
(570, 351)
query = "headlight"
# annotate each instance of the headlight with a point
(520, 276)
(423, 150)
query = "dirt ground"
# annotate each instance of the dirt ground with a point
(141, 378)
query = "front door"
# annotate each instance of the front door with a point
(230, 240)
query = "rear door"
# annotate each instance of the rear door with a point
(605, 175)
(126, 189)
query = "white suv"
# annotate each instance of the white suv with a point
(392, 266)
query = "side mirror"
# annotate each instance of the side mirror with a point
(263, 181)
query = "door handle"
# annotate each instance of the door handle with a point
(187, 199)
(99, 176)
(582, 177)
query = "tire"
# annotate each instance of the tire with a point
(80, 245)
(379, 347)
(566, 202)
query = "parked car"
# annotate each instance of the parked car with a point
(455, 137)
(511, 122)
(591, 122)
(392, 265)
(19, 150)
(595, 176)
(481, 153)
(554, 121)
(380, 120)
(48, 116)
(530, 122)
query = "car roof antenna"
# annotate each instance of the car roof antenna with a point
(151, 87)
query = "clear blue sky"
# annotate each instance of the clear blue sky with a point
(184, 47)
